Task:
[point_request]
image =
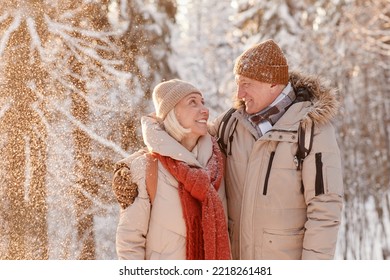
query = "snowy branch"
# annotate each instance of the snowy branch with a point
(35, 39)
(101, 140)
(76, 44)
(3, 17)
(42, 117)
(100, 35)
(4, 109)
(7, 34)
(93, 198)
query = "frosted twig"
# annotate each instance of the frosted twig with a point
(84, 128)
(7, 33)
(4, 17)
(100, 35)
(35, 39)
(4, 109)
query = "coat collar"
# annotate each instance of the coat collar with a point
(159, 141)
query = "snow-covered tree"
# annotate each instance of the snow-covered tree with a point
(347, 43)
(260, 20)
(363, 75)
(205, 49)
(72, 73)
(23, 208)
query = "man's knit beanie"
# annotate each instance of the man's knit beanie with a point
(167, 94)
(264, 62)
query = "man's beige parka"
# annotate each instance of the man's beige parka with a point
(271, 215)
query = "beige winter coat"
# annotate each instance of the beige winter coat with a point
(158, 231)
(269, 216)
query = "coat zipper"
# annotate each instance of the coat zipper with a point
(268, 173)
(319, 188)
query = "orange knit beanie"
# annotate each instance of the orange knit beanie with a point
(264, 62)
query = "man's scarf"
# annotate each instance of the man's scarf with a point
(273, 113)
(207, 235)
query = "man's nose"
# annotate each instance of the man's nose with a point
(240, 92)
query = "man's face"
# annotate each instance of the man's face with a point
(256, 95)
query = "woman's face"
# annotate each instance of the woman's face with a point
(193, 114)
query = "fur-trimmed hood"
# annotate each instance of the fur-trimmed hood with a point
(323, 97)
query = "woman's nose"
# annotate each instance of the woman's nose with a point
(204, 109)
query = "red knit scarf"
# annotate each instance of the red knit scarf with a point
(207, 235)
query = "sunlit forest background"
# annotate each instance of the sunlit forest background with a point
(76, 75)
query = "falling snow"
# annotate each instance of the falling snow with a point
(70, 92)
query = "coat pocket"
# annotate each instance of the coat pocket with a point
(328, 179)
(154, 256)
(334, 180)
(282, 244)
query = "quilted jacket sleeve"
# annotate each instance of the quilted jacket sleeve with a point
(323, 183)
(130, 189)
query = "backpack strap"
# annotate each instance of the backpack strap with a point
(151, 176)
(305, 142)
(224, 128)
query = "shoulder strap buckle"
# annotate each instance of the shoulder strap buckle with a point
(305, 142)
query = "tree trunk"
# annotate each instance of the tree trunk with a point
(83, 171)
(24, 153)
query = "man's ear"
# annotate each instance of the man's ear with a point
(275, 89)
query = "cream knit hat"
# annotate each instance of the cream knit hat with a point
(167, 94)
(264, 62)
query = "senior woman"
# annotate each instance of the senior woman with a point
(185, 218)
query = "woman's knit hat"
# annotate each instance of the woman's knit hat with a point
(264, 62)
(167, 94)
